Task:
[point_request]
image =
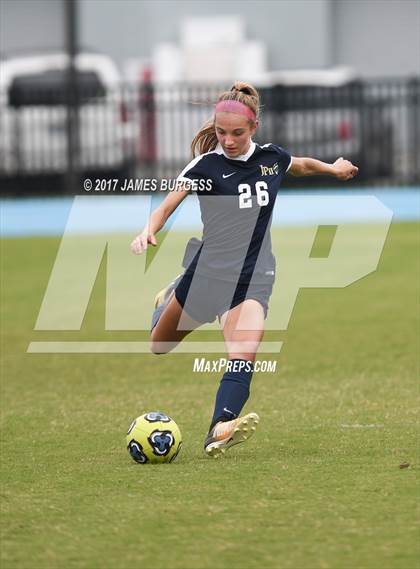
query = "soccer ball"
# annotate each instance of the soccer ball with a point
(153, 437)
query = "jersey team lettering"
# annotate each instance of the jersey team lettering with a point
(269, 170)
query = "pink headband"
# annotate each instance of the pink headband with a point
(232, 106)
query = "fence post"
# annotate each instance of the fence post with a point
(72, 99)
(147, 139)
(414, 128)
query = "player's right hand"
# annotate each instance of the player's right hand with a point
(344, 169)
(139, 244)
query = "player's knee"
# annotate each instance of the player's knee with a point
(157, 348)
(243, 350)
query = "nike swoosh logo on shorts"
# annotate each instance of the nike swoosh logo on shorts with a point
(228, 175)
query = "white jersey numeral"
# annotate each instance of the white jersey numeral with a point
(245, 200)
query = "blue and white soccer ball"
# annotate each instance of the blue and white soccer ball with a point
(153, 437)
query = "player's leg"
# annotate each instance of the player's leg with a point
(243, 330)
(164, 296)
(167, 334)
(162, 299)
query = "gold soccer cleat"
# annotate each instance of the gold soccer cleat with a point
(228, 433)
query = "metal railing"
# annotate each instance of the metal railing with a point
(145, 130)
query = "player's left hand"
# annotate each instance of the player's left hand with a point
(344, 169)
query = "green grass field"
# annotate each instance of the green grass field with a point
(319, 486)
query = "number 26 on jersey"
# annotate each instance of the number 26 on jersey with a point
(245, 199)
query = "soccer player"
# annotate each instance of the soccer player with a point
(230, 272)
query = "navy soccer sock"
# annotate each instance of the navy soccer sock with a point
(233, 391)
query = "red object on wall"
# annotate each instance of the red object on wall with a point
(147, 139)
(344, 130)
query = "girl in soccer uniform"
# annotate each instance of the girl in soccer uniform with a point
(229, 273)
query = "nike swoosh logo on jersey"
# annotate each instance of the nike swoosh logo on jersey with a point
(228, 175)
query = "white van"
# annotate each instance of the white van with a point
(33, 117)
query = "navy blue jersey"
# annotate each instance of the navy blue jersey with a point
(236, 212)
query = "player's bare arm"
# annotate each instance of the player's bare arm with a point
(158, 219)
(341, 169)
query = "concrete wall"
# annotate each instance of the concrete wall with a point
(296, 31)
(377, 37)
(28, 25)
